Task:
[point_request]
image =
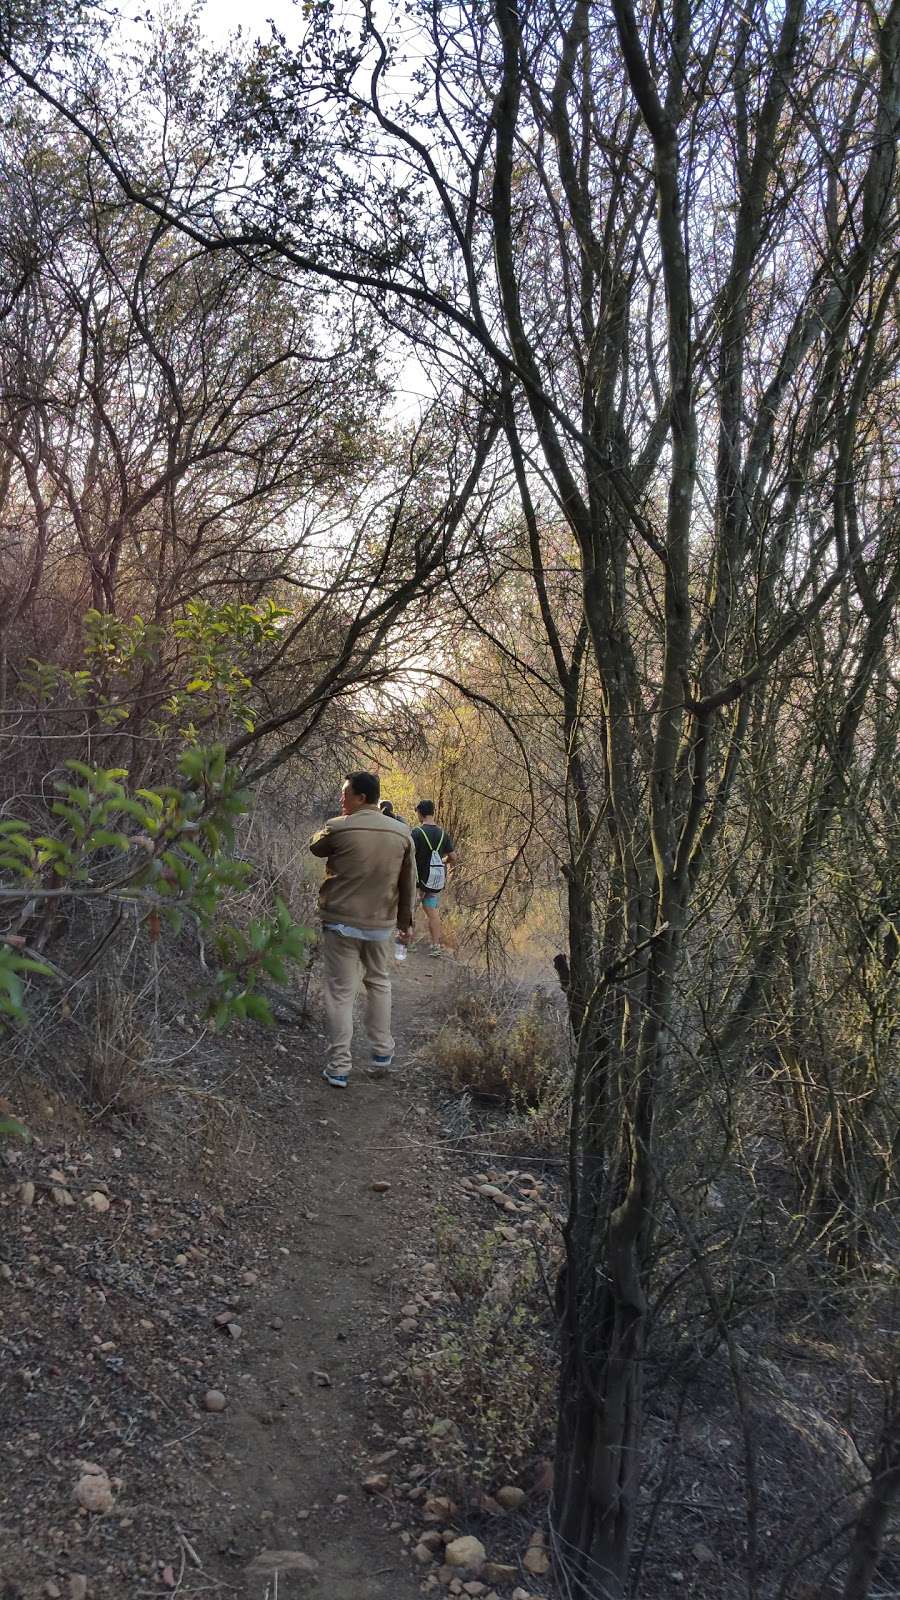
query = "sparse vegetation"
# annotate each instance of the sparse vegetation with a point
(486, 1382)
(502, 1047)
(617, 584)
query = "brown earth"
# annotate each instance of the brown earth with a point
(264, 1236)
(272, 1216)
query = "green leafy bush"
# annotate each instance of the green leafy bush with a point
(169, 849)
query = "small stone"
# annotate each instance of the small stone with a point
(491, 1192)
(423, 1555)
(677, 1577)
(510, 1497)
(277, 1323)
(380, 1186)
(61, 1197)
(222, 1319)
(78, 1586)
(52, 1590)
(408, 1325)
(97, 1201)
(214, 1400)
(235, 1329)
(93, 1492)
(5, 1272)
(56, 1176)
(703, 1554)
(181, 1259)
(249, 1278)
(499, 1572)
(432, 1540)
(272, 1561)
(536, 1561)
(465, 1552)
(26, 1194)
(439, 1509)
(378, 1483)
(473, 1587)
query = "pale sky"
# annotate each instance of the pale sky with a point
(222, 17)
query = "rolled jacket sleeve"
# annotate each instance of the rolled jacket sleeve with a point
(322, 843)
(406, 899)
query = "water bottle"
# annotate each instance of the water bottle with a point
(399, 950)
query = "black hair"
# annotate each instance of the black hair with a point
(425, 808)
(386, 807)
(366, 784)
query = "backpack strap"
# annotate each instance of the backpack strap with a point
(437, 847)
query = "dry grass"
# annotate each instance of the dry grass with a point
(500, 1049)
(487, 1388)
(117, 1051)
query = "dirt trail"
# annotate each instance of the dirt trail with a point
(337, 1296)
(258, 1260)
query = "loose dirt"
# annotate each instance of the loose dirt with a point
(259, 1257)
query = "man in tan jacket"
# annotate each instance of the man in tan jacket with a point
(367, 900)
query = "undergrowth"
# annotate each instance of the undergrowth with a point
(499, 1050)
(487, 1387)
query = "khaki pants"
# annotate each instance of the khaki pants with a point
(345, 961)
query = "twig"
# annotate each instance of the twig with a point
(190, 1550)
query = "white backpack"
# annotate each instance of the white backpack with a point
(437, 872)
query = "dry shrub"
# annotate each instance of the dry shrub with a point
(117, 1050)
(498, 1050)
(487, 1388)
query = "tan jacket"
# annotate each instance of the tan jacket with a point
(370, 877)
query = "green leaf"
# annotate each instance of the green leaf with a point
(194, 851)
(257, 1007)
(12, 983)
(178, 867)
(17, 841)
(10, 1126)
(28, 964)
(132, 808)
(103, 839)
(17, 865)
(68, 814)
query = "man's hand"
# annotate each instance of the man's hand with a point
(404, 935)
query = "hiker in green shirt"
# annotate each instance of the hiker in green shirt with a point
(434, 854)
